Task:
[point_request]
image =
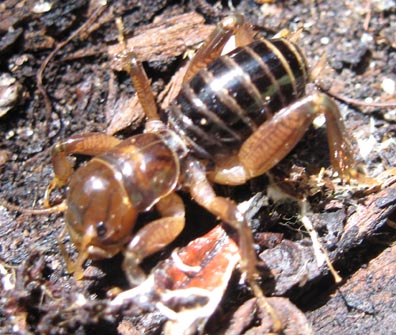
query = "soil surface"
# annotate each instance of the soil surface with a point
(59, 77)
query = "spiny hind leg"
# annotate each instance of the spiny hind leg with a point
(274, 139)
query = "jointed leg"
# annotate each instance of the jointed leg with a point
(227, 211)
(139, 77)
(276, 138)
(154, 236)
(232, 25)
(91, 144)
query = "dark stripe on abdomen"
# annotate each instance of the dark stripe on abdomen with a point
(226, 102)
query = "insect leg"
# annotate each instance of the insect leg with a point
(138, 76)
(154, 236)
(233, 25)
(227, 210)
(86, 144)
(274, 139)
(202, 192)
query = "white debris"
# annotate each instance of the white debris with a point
(42, 7)
(388, 85)
(325, 40)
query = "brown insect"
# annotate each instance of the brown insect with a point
(236, 116)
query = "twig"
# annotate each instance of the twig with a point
(40, 72)
(319, 251)
(356, 102)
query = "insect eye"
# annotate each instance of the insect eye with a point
(101, 229)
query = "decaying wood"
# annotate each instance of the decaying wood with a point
(164, 39)
(293, 263)
(40, 297)
(293, 320)
(368, 217)
(122, 111)
(365, 304)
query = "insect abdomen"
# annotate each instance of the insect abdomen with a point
(227, 101)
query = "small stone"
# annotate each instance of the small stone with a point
(388, 85)
(10, 91)
(42, 7)
(325, 40)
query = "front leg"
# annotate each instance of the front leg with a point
(275, 138)
(154, 236)
(91, 144)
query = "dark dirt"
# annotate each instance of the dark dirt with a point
(40, 297)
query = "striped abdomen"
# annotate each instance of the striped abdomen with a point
(227, 101)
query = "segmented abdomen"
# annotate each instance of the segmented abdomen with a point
(227, 101)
